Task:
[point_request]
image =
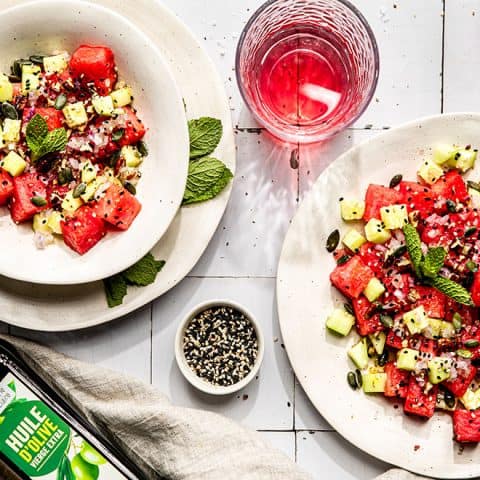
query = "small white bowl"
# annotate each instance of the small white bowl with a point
(190, 375)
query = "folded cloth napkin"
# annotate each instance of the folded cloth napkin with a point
(165, 441)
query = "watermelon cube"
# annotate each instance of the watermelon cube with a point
(25, 188)
(460, 385)
(417, 197)
(118, 207)
(352, 277)
(397, 381)
(419, 403)
(466, 426)
(377, 197)
(451, 186)
(134, 128)
(6, 187)
(365, 322)
(432, 301)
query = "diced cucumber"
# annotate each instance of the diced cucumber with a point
(11, 130)
(359, 354)
(374, 289)
(89, 172)
(103, 105)
(353, 240)
(340, 321)
(40, 223)
(439, 369)
(416, 320)
(430, 171)
(407, 359)
(394, 216)
(14, 164)
(70, 204)
(54, 222)
(30, 78)
(75, 114)
(374, 382)
(378, 341)
(463, 159)
(440, 328)
(352, 209)
(471, 399)
(122, 97)
(131, 156)
(6, 89)
(55, 64)
(376, 232)
(442, 153)
(474, 197)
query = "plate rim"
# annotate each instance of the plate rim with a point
(330, 417)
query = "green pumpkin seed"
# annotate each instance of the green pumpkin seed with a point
(383, 358)
(359, 378)
(79, 190)
(14, 79)
(395, 180)
(348, 308)
(343, 259)
(17, 66)
(449, 399)
(352, 380)
(332, 241)
(464, 353)
(130, 187)
(117, 135)
(9, 111)
(474, 185)
(386, 321)
(142, 148)
(38, 201)
(457, 321)
(451, 206)
(471, 343)
(470, 231)
(60, 101)
(472, 266)
(112, 161)
(37, 59)
(65, 176)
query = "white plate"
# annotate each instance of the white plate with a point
(305, 298)
(52, 308)
(46, 26)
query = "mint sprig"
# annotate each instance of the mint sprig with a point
(427, 267)
(141, 274)
(40, 141)
(205, 134)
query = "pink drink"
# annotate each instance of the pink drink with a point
(305, 68)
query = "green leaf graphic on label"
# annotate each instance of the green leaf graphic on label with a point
(34, 438)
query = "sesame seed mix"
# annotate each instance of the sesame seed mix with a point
(220, 345)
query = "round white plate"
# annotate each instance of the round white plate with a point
(28, 29)
(305, 298)
(51, 308)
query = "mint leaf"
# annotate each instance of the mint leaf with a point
(207, 177)
(453, 290)
(115, 290)
(205, 134)
(433, 261)
(144, 272)
(55, 141)
(37, 130)
(414, 248)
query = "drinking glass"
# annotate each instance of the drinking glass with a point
(307, 69)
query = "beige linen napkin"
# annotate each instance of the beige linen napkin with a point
(163, 440)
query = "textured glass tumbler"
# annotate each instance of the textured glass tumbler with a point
(307, 69)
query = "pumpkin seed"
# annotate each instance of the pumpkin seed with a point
(38, 201)
(383, 358)
(386, 321)
(474, 185)
(449, 399)
(451, 206)
(343, 259)
(333, 240)
(457, 321)
(348, 308)
(60, 101)
(472, 343)
(142, 148)
(14, 79)
(470, 231)
(79, 190)
(352, 380)
(37, 59)
(472, 266)
(395, 180)
(359, 378)
(65, 176)
(17, 66)
(112, 161)
(9, 111)
(464, 353)
(130, 187)
(117, 135)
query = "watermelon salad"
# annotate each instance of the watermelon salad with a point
(409, 269)
(70, 147)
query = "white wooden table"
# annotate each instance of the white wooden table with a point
(430, 63)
